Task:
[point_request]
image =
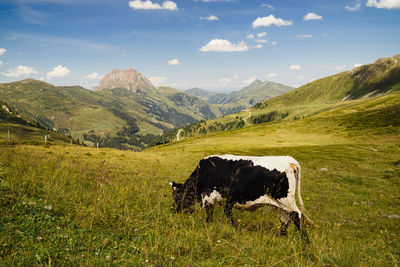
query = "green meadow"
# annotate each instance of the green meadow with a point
(65, 204)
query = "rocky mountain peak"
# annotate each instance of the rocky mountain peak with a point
(130, 79)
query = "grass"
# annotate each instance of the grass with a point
(71, 205)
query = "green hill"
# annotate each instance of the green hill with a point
(368, 81)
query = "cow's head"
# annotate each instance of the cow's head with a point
(181, 200)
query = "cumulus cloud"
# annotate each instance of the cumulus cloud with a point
(20, 71)
(2, 51)
(174, 62)
(353, 8)
(258, 46)
(294, 67)
(388, 4)
(274, 42)
(210, 18)
(1, 62)
(261, 34)
(221, 45)
(93, 76)
(357, 65)
(312, 16)
(157, 81)
(271, 75)
(270, 20)
(250, 80)
(250, 36)
(149, 5)
(300, 77)
(57, 72)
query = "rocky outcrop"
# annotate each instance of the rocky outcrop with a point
(130, 79)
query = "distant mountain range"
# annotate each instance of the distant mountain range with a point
(125, 111)
(256, 92)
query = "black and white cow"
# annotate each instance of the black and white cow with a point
(244, 182)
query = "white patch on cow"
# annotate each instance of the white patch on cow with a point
(280, 163)
(211, 199)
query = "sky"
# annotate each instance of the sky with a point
(218, 45)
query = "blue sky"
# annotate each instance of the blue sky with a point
(211, 44)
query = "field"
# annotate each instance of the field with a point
(70, 205)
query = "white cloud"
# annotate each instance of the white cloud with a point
(1, 62)
(258, 46)
(149, 5)
(2, 51)
(260, 41)
(250, 80)
(250, 36)
(221, 45)
(274, 42)
(304, 36)
(20, 71)
(267, 6)
(93, 76)
(271, 75)
(353, 8)
(157, 81)
(300, 77)
(261, 34)
(270, 20)
(57, 72)
(357, 65)
(210, 18)
(294, 67)
(312, 16)
(224, 81)
(174, 62)
(388, 4)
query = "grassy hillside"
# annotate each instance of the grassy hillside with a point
(69, 205)
(112, 117)
(330, 93)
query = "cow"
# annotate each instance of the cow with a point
(244, 182)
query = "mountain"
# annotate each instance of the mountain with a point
(256, 92)
(130, 79)
(380, 77)
(342, 90)
(125, 111)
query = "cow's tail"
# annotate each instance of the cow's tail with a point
(297, 172)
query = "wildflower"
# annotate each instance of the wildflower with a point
(219, 241)
(39, 238)
(48, 207)
(108, 257)
(32, 203)
(172, 258)
(147, 261)
(58, 227)
(307, 198)
(239, 220)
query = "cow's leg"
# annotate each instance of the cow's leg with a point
(296, 219)
(209, 211)
(228, 211)
(285, 220)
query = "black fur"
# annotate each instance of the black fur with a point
(238, 181)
